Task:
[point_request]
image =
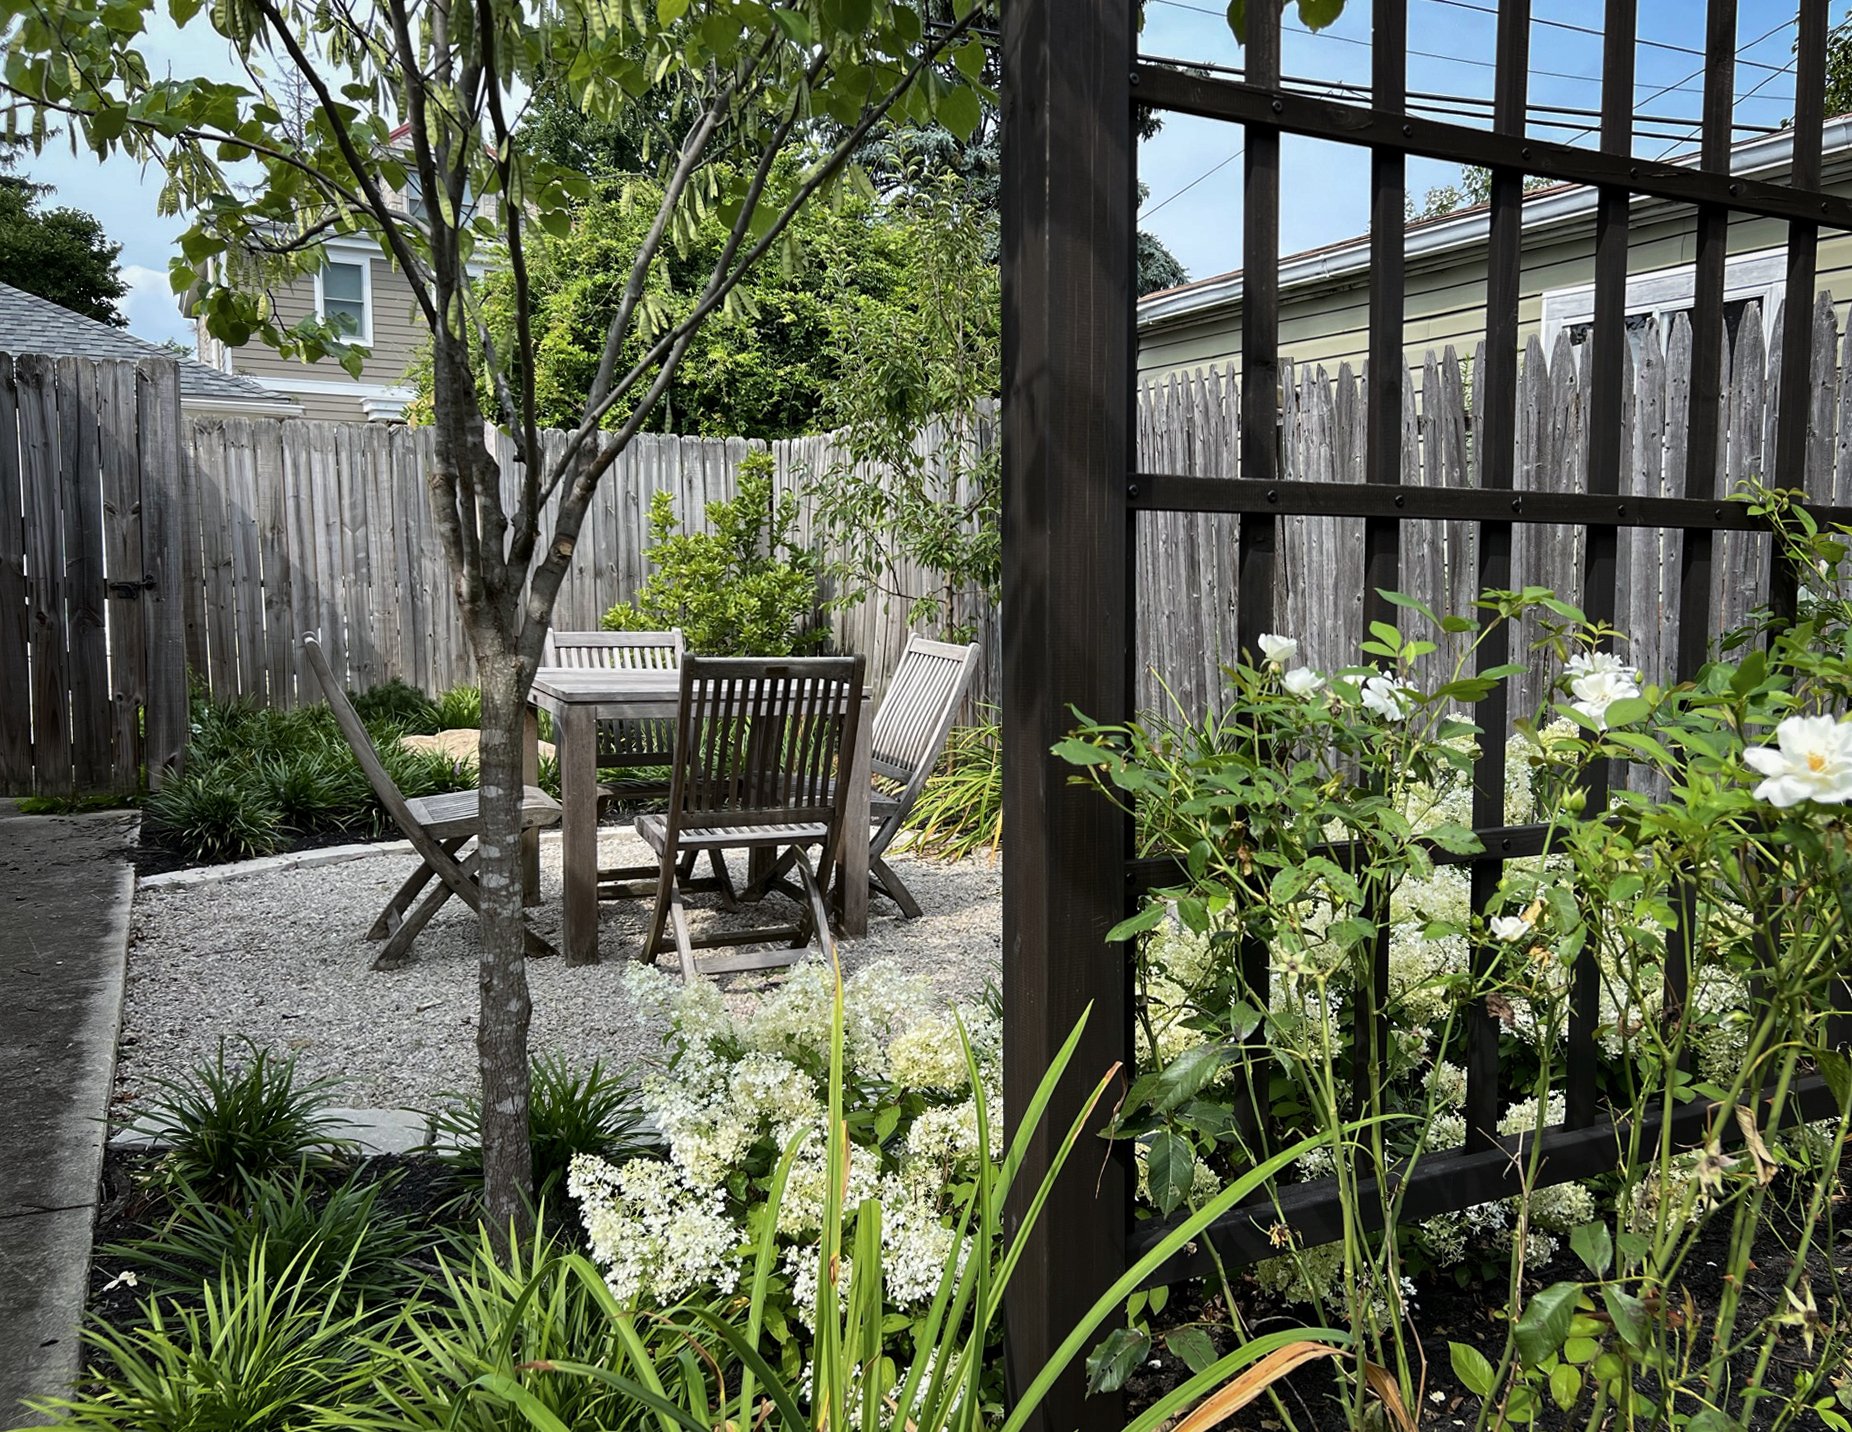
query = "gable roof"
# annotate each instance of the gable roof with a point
(30, 324)
(1439, 240)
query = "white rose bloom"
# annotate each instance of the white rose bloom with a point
(1598, 690)
(1811, 761)
(1278, 650)
(1385, 698)
(1303, 681)
(1590, 663)
(1510, 927)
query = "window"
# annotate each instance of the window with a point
(1658, 297)
(343, 297)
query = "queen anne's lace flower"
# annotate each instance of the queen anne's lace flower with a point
(1811, 760)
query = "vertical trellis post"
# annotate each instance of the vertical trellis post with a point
(1068, 205)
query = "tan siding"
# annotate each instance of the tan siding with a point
(1329, 323)
(399, 334)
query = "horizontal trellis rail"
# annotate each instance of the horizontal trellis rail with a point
(1078, 562)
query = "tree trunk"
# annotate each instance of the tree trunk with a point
(506, 1007)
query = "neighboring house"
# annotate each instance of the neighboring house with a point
(359, 289)
(1325, 292)
(30, 324)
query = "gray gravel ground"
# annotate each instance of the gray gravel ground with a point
(279, 958)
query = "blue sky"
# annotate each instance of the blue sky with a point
(1324, 186)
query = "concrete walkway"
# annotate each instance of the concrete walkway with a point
(65, 887)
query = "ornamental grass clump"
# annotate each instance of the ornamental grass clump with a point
(1679, 946)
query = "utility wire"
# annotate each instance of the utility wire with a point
(1599, 35)
(1147, 213)
(1686, 139)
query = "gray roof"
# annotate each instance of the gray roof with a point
(30, 324)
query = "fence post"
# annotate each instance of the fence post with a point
(1067, 459)
(165, 525)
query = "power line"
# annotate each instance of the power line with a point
(1683, 84)
(1599, 35)
(1686, 139)
(1147, 213)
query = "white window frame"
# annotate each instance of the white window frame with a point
(1761, 276)
(363, 262)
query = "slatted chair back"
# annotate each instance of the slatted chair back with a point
(915, 717)
(758, 740)
(355, 730)
(623, 743)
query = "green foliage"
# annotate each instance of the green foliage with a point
(459, 708)
(337, 1233)
(261, 1352)
(257, 779)
(60, 254)
(214, 813)
(960, 809)
(935, 357)
(742, 588)
(228, 1126)
(590, 1111)
(394, 703)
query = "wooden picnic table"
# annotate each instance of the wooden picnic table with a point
(577, 699)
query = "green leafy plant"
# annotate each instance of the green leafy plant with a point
(459, 708)
(394, 703)
(215, 812)
(228, 1125)
(572, 1111)
(337, 1232)
(318, 788)
(960, 809)
(264, 1349)
(743, 587)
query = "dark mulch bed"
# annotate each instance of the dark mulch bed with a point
(1473, 1313)
(153, 858)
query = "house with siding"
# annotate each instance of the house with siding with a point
(1325, 292)
(30, 324)
(362, 291)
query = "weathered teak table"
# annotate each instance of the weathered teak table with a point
(577, 699)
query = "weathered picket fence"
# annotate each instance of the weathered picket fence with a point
(256, 530)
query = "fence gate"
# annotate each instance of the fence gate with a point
(92, 658)
(1074, 496)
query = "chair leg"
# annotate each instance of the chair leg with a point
(883, 879)
(390, 917)
(665, 883)
(683, 945)
(763, 885)
(819, 918)
(724, 878)
(397, 951)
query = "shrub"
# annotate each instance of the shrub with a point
(745, 588)
(395, 704)
(458, 708)
(960, 809)
(227, 1126)
(215, 811)
(264, 1349)
(569, 1112)
(316, 789)
(338, 1232)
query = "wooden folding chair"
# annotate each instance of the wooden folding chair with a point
(907, 736)
(646, 747)
(756, 747)
(437, 826)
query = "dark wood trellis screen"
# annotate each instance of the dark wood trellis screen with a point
(1073, 492)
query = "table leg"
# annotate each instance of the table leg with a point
(530, 839)
(855, 840)
(576, 730)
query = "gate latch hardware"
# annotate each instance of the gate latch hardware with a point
(130, 589)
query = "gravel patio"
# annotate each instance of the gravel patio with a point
(277, 957)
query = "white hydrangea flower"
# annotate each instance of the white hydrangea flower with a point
(656, 1234)
(1811, 760)
(1447, 1082)
(1278, 650)
(945, 1137)
(930, 1055)
(915, 1244)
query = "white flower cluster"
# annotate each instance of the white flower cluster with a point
(740, 1089)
